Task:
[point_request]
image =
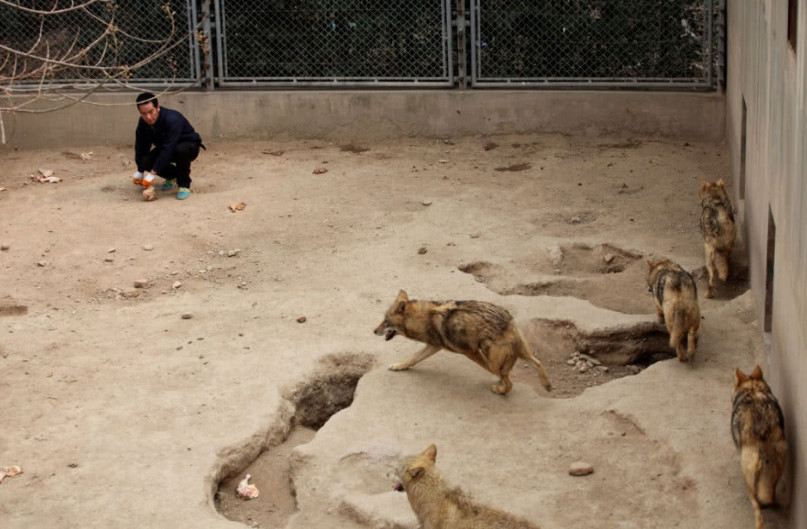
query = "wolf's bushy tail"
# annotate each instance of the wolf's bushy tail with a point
(722, 264)
(525, 353)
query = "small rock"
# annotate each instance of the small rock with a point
(4, 247)
(422, 250)
(130, 293)
(580, 468)
(571, 361)
(187, 316)
(589, 359)
(634, 369)
(42, 264)
(301, 319)
(475, 235)
(141, 283)
(148, 247)
(320, 170)
(45, 172)
(233, 253)
(427, 202)
(555, 254)
(608, 258)
(582, 366)
(111, 250)
(575, 220)
(176, 285)
(109, 259)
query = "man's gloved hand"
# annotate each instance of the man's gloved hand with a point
(148, 179)
(137, 178)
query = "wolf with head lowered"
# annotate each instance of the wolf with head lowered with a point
(484, 332)
(676, 297)
(718, 230)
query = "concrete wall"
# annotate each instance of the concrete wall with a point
(364, 115)
(765, 72)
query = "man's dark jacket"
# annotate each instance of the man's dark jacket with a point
(170, 129)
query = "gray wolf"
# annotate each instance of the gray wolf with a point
(718, 230)
(484, 332)
(676, 296)
(439, 507)
(758, 430)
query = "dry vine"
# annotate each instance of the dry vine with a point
(52, 69)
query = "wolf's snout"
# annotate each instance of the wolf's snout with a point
(398, 485)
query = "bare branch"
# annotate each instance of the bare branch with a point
(62, 55)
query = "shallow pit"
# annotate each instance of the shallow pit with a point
(622, 351)
(310, 404)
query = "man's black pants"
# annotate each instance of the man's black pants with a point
(180, 167)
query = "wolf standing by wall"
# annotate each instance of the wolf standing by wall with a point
(676, 297)
(718, 230)
(758, 430)
(437, 506)
(484, 332)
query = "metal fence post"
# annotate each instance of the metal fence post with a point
(208, 78)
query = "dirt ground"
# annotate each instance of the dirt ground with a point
(153, 353)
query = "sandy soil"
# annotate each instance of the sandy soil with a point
(143, 406)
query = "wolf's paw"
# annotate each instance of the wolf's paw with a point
(500, 389)
(399, 367)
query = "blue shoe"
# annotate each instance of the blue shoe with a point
(183, 193)
(168, 185)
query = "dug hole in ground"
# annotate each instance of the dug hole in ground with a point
(247, 345)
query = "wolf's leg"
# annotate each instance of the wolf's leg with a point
(710, 267)
(421, 355)
(503, 387)
(691, 343)
(751, 465)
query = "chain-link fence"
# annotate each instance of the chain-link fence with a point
(315, 42)
(592, 43)
(68, 42)
(364, 43)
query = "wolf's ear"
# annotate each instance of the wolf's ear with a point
(739, 377)
(431, 452)
(650, 264)
(756, 374)
(415, 472)
(704, 185)
(721, 183)
(402, 296)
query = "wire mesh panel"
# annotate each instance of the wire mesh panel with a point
(68, 42)
(342, 42)
(581, 43)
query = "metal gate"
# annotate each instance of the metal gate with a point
(338, 43)
(592, 43)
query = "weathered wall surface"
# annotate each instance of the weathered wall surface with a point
(357, 115)
(768, 76)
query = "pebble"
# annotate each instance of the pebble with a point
(427, 202)
(475, 235)
(109, 259)
(555, 254)
(187, 316)
(130, 293)
(148, 247)
(176, 284)
(608, 258)
(580, 468)
(301, 319)
(141, 283)
(4, 247)
(42, 263)
(233, 253)
(422, 250)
